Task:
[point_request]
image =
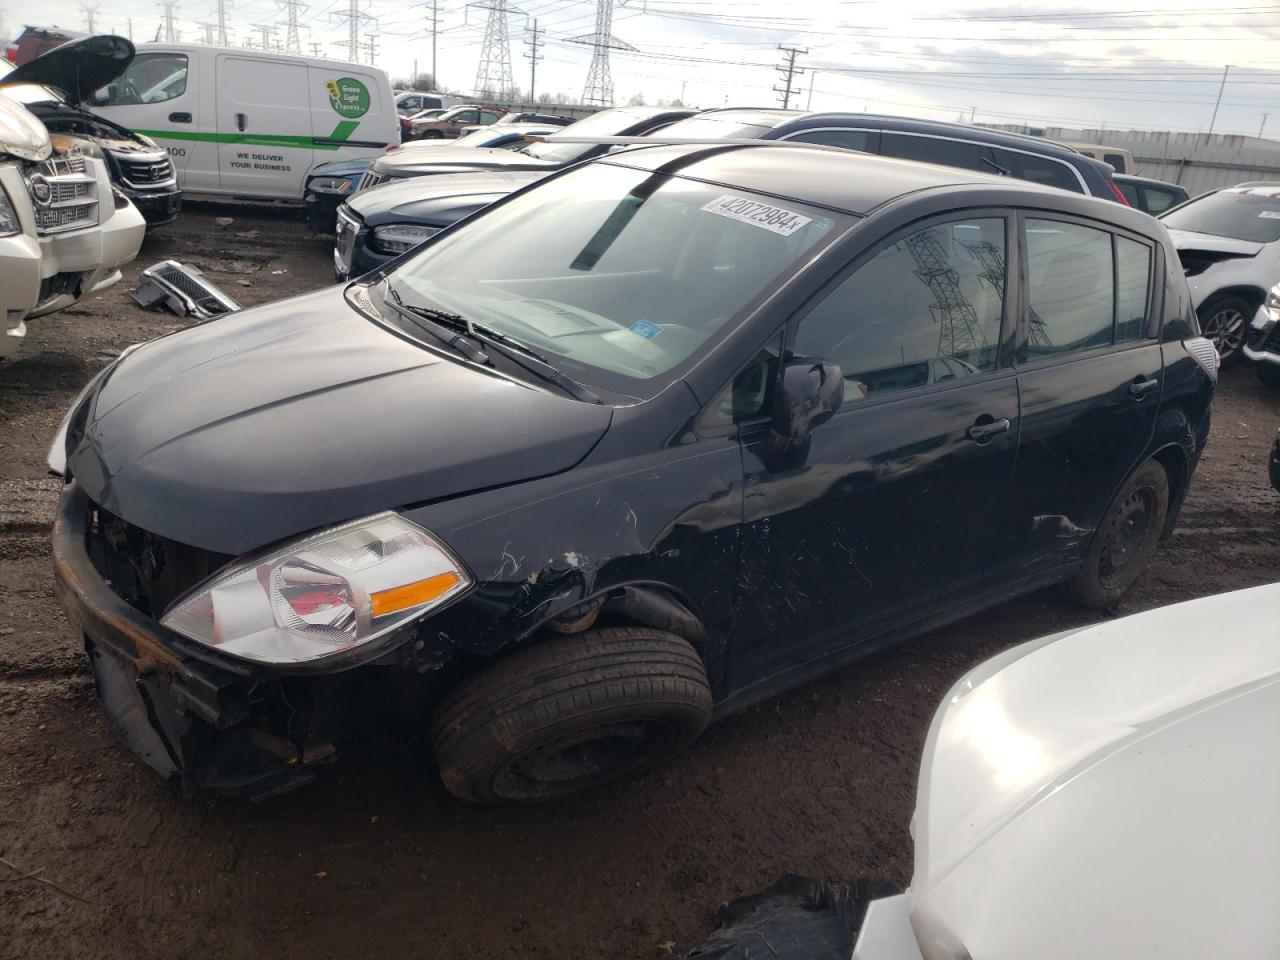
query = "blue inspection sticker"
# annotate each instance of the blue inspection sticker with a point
(646, 329)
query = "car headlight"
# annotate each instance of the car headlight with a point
(9, 222)
(330, 184)
(399, 237)
(118, 196)
(322, 595)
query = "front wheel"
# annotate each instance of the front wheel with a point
(1124, 542)
(1224, 320)
(570, 712)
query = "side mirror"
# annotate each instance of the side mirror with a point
(810, 394)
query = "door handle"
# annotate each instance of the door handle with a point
(179, 118)
(1140, 387)
(987, 428)
(240, 122)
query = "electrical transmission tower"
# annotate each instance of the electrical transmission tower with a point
(170, 34)
(317, 49)
(209, 31)
(493, 75)
(789, 71)
(265, 33)
(370, 47)
(292, 9)
(354, 16)
(224, 34)
(90, 13)
(534, 45)
(991, 260)
(959, 329)
(599, 88)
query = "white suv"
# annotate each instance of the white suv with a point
(64, 232)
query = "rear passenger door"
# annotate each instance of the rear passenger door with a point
(1089, 376)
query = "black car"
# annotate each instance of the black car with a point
(542, 157)
(629, 450)
(408, 216)
(1150, 196)
(57, 85)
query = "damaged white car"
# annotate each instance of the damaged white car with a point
(64, 231)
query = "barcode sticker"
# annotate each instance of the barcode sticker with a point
(766, 216)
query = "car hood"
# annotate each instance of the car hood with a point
(78, 67)
(1186, 240)
(450, 159)
(21, 134)
(270, 422)
(436, 202)
(1087, 795)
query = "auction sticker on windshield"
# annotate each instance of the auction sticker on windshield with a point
(778, 219)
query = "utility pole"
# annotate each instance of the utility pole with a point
(1218, 102)
(434, 21)
(209, 29)
(789, 71)
(1263, 125)
(534, 56)
(89, 16)
(131, 29)
(809, 103)
(317, 49)
(170, 34)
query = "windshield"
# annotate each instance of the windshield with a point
(612, 272)
(699, 128)
(606, 123)
(483, 137)
(1241, 213)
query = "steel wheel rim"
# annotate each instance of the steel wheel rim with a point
(1127, 536)
(591, 758)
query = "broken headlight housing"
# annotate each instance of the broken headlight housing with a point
(322, 595)
(401, 237)
(9, 222)
(330, 184)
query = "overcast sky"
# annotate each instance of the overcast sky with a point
(1138, 63)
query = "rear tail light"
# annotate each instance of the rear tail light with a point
(1120, 197)
(1204, 353)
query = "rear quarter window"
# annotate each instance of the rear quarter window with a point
(1043, 170)
(951, 153)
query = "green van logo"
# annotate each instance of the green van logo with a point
(348, 97)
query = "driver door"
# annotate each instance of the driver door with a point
(893, 513)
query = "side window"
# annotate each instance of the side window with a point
(1133, 273)
(1045, 170)
(952, 153)
(1117, 160)
(747, 395)
(1158, 201)
(465, 116)
(149, 78)
(487, 117)
(925, 309)
(1071, 296)
(849, 139)
(1130, 191)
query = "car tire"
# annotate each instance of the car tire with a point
(570, 712)
(1224, 320)
(1125, 540)
(1269, 374)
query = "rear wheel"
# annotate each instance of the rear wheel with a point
(1225, 321)
(570, 712)
(1124, 542)
(433, 135)
(1269, 374)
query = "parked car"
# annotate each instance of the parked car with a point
(581, 472)
(1262, 344)
(406, 123)
(1102, 793)
(1229, 243)
(207, 106)
(1150, 196)
(503, 136)
(540, 119)
(33, 41)
(449, 124)
(54, 87)
(407, 214)
(544, 157)
(410, 102)
(327, 186)
(64, 232)
(1120, 159)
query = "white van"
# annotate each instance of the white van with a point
(1118, 157)
(247, 123)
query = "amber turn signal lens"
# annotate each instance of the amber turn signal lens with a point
(411, 594)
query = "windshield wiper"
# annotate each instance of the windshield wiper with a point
(443, 324)
(1003, 171)
(439, 323)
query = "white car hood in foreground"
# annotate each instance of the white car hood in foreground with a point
(1113, 793)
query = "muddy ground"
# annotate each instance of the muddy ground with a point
(377, 860)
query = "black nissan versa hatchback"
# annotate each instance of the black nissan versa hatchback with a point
(654, 439)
